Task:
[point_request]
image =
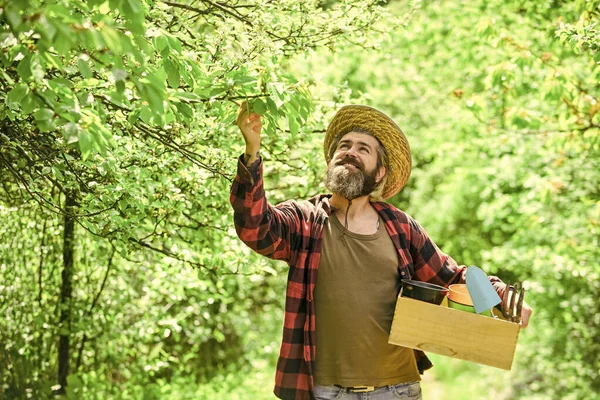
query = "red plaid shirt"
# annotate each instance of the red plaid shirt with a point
(293, 231)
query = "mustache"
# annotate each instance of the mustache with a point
(351, 161)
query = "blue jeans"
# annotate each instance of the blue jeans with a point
(405, 391)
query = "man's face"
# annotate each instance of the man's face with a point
(352, 171)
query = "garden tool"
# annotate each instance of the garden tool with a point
(482, 292)
(520, 305)
(509, 311)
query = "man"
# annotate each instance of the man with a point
(336, 327)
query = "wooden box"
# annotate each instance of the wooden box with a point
(454, 333)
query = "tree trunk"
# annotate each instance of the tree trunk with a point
(66, 295)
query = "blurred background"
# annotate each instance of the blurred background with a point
(121, 274)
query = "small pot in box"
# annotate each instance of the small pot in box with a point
(423, 291)
(460, 294)
(459, 299)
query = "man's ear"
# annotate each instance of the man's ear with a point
(380, 174)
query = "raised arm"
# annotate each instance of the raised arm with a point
(270, 231)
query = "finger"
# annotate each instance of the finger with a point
(525, 317)
(524, 321)
(255, 125)
(240, 117)
(252, 118)
(243, 118)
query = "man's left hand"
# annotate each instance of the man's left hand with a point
(526, 312)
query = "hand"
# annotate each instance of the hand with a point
(526, 311)
(250, 125)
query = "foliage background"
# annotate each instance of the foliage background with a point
(121, 273)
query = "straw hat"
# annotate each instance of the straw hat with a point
(359, 117)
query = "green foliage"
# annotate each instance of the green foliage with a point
(118, 116)
(499, 101)
(126, 109)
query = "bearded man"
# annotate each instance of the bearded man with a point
(336, 327)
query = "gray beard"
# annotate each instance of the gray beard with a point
(348, 184)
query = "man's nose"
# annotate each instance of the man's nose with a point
(352, 152)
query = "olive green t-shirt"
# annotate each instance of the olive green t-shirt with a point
(355, 298)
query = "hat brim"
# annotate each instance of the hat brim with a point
(364, 118)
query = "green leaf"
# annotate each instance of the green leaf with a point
(174, 43)
(29, 103)
(53, 62)
(304, 107)
(13, 17)
(136, 26)
(259, 106)
(188, 97)
(241, 79)
(161, 43)
(62, 44)
(58, 172)
(134, 116)
(170, 117)
(99, 138)
(272, 106)
(85, 144)
(157, 80)
(112, 39)
(17, 93)
(7, 77)
(155, 98)
(37, 69)
(57, 83)
(120, 86)
(84, 68)
(43, 114)
(217, 91)
(146, 114)
(293, 124)
(133, 9)
(173, 77)
(185, 110)
(24, 68)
